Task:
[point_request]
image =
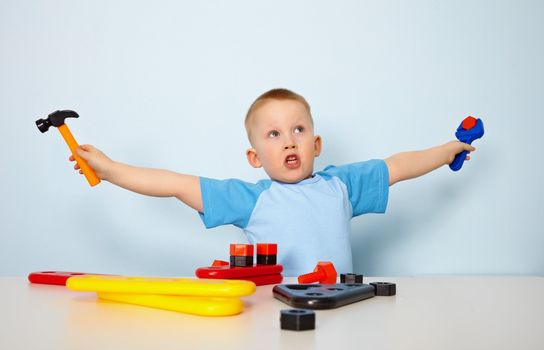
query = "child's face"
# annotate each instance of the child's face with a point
(283, 141)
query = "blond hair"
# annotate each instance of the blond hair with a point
(275, 94)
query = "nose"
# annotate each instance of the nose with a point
(289, 143)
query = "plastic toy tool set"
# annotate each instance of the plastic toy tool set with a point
(219, 288)
(266, 271)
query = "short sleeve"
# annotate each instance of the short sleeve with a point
(367, 184)
(229, 201)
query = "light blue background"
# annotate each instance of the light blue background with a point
(166, 84)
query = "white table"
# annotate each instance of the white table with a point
(427, 313)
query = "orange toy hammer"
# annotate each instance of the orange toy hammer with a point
(56, 119)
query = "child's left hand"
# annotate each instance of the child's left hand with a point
(453, 148)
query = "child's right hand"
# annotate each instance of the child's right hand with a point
(96, 159)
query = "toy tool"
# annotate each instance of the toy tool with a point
(351, 278)
(228, 272)
(384, 288)
(258, 274)
(470, 129)
(322, 296)
(220, 263)
(267, 253)
(241, 265)
(241, 255)
(324, 272)
(54, 277)
(297, 319)
(56, 119)
(203, 306)
(161, 285)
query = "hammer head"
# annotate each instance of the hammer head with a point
(55, 119)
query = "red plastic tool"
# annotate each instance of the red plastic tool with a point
(227, 272)
(54, 277)
(258, 274)
(324, 273)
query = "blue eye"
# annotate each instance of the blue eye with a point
(299, 129)
(273, 133)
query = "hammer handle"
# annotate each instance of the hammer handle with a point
(72, 144)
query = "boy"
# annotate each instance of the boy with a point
(308, 214)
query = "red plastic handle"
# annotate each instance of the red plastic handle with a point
(55, 277)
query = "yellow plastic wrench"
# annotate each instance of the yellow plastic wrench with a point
(161, 285)
(202, 306)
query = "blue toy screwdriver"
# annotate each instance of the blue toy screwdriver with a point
(470, 129)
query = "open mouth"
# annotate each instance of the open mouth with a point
(292, 161)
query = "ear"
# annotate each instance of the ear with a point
(317, 145)
(253, 158)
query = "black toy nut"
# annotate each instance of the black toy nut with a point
(351, 278)
(241, 261)
(297, 319)
(384, 288)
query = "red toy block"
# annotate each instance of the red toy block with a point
(267, 249)
(241, 250)
(54, 277)
(324, 273)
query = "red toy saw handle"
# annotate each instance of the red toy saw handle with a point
(89, 173)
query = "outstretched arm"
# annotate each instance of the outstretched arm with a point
(409, 165)
(151, 182)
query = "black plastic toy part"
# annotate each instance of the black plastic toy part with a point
(266, 259)
(241, 261)
(322, 296)
(55, 119)
(351, 278)
(384, 288)
(297, 319)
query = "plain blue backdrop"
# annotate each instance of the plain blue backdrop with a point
(167, 83)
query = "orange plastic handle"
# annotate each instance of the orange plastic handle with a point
(72, 144)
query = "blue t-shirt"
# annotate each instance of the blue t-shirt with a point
(309, 220)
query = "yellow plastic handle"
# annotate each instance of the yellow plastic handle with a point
(161, 285)
(203, 306)
(89, 173)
